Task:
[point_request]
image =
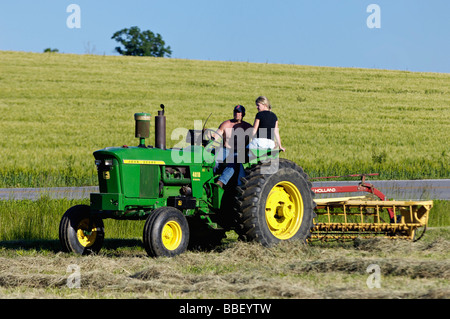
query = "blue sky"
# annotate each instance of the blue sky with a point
(413, 35)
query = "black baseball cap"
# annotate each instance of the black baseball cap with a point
(239, 109)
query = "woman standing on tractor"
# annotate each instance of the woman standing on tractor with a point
(265, 128)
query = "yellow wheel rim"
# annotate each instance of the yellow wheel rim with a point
(171, 235)
(85, 236)
(284, 210)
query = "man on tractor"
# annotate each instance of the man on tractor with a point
(234, 132)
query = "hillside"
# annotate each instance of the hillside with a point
(58, 108)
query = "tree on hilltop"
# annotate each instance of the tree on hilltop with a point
(137, 43)
(50, 50)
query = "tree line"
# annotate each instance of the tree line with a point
(134, 42)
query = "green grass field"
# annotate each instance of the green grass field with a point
(56, 109)
(39, 220)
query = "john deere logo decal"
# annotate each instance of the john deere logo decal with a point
(143, 162)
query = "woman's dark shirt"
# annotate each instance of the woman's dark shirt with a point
(267, 121)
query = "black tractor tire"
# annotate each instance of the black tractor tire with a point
(166, 233)
(275, 203)
(80, 232)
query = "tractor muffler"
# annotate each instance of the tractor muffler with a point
(160, 129)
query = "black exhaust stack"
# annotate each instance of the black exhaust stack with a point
(160, 129)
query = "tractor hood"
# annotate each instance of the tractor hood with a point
(156, 156)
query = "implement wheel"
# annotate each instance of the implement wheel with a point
(80, 232)
(166, 233)
(276, 206)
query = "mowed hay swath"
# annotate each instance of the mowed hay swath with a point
(243, 270)
(58, 108)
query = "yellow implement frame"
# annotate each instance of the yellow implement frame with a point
(348, 218)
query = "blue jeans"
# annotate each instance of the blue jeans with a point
(228, 172)
(222, 154)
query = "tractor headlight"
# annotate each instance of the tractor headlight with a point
(106, 162)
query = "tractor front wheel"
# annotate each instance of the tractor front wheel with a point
(166, 233)
(80, 232)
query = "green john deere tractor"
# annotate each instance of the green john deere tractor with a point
(175, 191)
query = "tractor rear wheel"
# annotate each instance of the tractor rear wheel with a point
(276, 203)
(166, 233)
(80, 232)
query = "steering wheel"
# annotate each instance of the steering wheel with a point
(214, 139)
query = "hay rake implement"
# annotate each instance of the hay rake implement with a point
(348, 218)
